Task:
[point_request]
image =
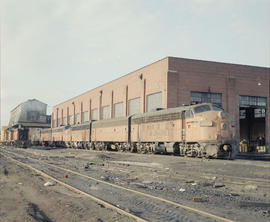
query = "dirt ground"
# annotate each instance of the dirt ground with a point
(235, 189)
(23, 198)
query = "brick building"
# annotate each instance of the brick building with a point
(241, 90)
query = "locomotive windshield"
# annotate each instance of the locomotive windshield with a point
(216, 108)
(203, 108)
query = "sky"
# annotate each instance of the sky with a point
(53, 50)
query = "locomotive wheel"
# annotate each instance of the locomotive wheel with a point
(176, 149)
(133, 148)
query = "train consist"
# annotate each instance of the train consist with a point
(202, 130)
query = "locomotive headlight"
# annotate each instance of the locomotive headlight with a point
(221, 114)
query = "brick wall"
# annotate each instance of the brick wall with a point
(140, 83)
(229, 79)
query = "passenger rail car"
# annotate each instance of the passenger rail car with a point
(202, 130)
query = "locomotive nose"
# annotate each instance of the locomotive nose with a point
(221, 115)
(225, 148)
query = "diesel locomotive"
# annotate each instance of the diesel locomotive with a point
(201, 130)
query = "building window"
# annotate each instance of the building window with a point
(206, 97)
(85, 117)
(105, 112)
(33, 116)
(94, 114)
(249, 101)
(58, 122)
(134, 106)
(118, 109)
(259, 113)
(242, 114)
(71, 121)
(77, 118)
(65, 121)
(154, 101)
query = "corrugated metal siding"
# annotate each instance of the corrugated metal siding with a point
(157, 118)
(111, 122)
(162, 115)
(29, 111)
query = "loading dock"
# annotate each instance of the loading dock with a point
(252, 123)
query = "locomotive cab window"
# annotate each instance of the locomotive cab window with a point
(216, 108)
(203, 108)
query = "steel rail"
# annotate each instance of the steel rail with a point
(74, 189)
(205, 175)
(200, 212)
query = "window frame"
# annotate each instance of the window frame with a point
(206, 97)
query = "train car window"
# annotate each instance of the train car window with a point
(216, 108)
(200, 109)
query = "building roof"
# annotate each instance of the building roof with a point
(29, 100)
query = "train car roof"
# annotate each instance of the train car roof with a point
(168, 111)
(111, 122)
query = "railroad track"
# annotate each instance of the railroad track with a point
(221, 178)
(139, 205)
(225, 178)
